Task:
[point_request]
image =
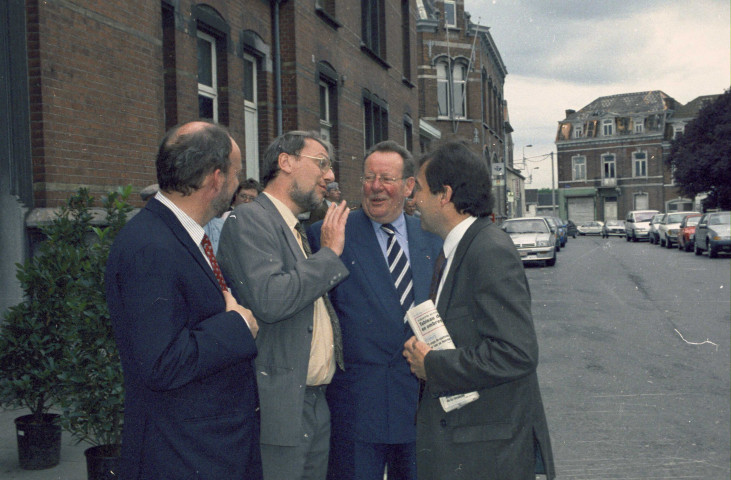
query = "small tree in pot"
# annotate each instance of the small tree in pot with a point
(92, 395)
(31, 340)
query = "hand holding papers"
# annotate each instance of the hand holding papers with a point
(428, 327)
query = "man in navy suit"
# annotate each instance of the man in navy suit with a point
(186, 345)
(373, 401)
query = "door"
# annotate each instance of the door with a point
(610, 209)
(581, 209)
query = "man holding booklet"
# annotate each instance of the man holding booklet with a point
(483, 298)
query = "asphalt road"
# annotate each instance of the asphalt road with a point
(634, 360)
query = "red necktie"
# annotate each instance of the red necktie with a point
(208, 248)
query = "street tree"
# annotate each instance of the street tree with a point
(701, 156)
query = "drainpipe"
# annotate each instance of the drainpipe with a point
(277, 70)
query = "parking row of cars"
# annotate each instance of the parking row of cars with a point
(687, 230)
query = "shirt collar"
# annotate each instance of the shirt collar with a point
(455, 235)
(195, 231)
(399, 224)
(289, 218)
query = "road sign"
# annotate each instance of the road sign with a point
(498, 169)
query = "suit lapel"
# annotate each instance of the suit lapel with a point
(281, 225)
(421, 264)
(446, 296)
(169, 218)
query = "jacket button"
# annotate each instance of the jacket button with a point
(443, 422)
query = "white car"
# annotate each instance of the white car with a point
(533, 238)
(637, 224)
(590, 228)
(667, 230)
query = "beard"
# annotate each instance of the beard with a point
(306, 201)
(222, 202)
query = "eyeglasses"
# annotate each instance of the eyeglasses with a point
(322, 162)
(246, 198)
(370, 178)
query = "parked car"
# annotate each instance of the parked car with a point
(713, 233)
(560, 230)
(637, 224)
(591, 228)
(533, 238)
(669, 228)
(652, 236)
(571, 230)
(613, 227)
(686, 235)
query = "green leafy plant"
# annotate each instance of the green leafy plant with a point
(92, 394)
(31, 341)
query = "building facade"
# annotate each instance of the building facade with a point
(94, 85)
(611, 156)
(461, 77)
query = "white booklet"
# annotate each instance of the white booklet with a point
(429, 328)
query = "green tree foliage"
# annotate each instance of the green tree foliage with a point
(702, 155)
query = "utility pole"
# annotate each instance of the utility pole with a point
(553, 191)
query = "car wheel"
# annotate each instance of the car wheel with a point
(651, 239)
(551, 262)
(627, 237)
(712, 252)
(634, 238)
(688, 247)
(668, 243)
(697, 250)
(661, 242)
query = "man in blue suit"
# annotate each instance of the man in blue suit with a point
(186, 345)
(373, 402)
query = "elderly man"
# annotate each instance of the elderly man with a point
(483, 297)
(186, 345)
(390, 259)
(265, 253)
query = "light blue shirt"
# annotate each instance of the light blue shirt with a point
(400, 226)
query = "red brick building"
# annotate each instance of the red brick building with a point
(91, 86)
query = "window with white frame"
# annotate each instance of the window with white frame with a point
(578, 167)
(642, 201)
(639, 164)
(207, 77)
(450, 13)
(608, 127)
(609, 166)
(408, 133)
(578, 130)
(678, 130)
(451, 89)
(325, 123)
(639, 125)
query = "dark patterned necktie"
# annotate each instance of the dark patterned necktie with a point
(399, 267)
(337, 337)
(437, 276)
(208, 248)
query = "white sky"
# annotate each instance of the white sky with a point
(564, 54)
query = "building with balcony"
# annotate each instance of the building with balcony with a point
(611, 155)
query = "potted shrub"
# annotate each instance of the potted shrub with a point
(31, 341)
(92, 395)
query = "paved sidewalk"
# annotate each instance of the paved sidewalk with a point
(72, 466)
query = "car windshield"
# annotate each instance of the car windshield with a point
(691, 221)
(612, 223)
(720, 219)
(676, 217)
(644, 217)
(525, 226)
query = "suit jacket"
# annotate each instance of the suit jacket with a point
(271, 275)
(190, 392)
(375, 398)
(485, 304)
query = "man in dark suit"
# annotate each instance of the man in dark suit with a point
(373, 401)
(266, 255)
(484, 300)
(186, 345)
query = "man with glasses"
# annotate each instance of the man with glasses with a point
(265, 254)
(247, 192)
(390, 259)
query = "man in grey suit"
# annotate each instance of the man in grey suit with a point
(484, 300)
(267, 259)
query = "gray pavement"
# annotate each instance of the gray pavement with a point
(71, 467)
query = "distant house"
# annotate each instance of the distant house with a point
(611, 155)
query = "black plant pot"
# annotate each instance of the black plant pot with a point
(39, 444)
(102, 462)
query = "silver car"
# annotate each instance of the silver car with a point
(713, 233)
(669, 228)
(533, 238)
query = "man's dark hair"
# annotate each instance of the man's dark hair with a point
(184, 160)
(249, 184)
(291, 143)
(391, 146)
(455, 165)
